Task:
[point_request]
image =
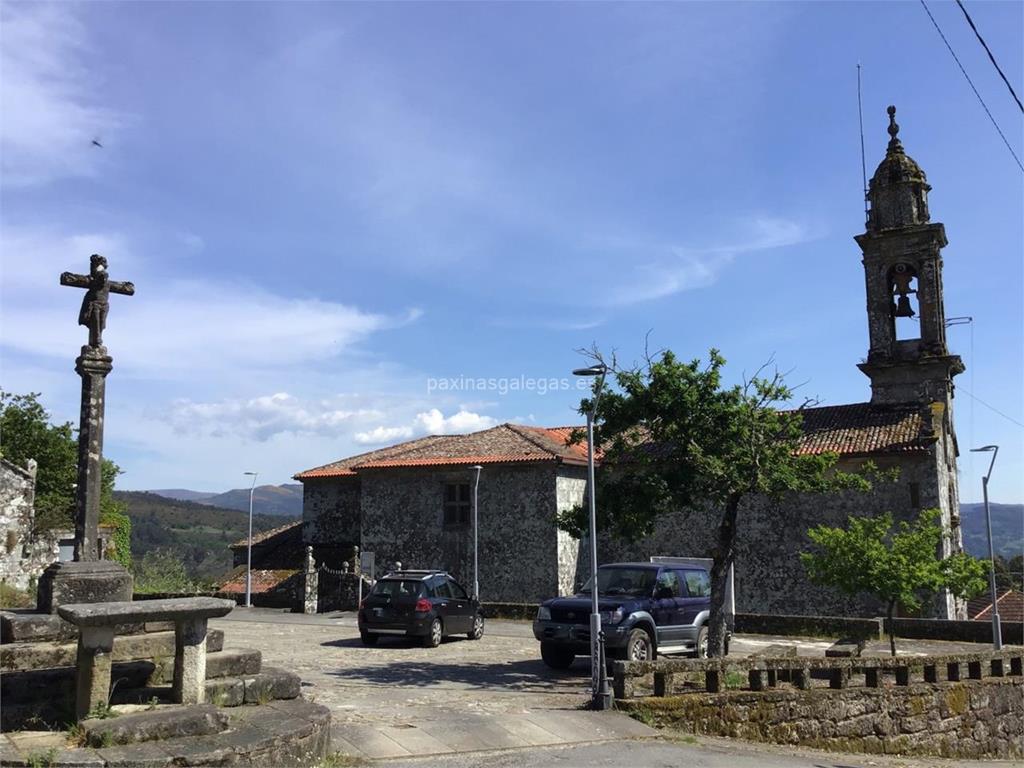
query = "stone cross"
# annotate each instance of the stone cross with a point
(92, 365)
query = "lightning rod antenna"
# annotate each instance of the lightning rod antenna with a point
(863, 162)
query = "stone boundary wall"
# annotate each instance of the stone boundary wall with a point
(965, 631)
(513, 611)
(808, 626)
(873, 629)
(969, 719)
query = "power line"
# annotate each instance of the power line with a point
(991, 407)
(971, 83)
(991, 58)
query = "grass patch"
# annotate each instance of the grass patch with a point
(15, 598)
(340, 760)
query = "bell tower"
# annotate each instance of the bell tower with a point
(908, 361)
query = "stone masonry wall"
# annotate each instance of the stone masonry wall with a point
(23, 555)
(402, 520)
(570, 491)
(969, 719)
(769, 575)
(330, 511)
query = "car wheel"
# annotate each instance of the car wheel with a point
(434, 636)
(478, 627)
(368, 639)
(702, 644)
(556, 656)
(639, 646)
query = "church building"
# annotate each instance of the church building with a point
(410, 502)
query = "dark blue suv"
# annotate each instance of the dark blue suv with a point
(646, 609)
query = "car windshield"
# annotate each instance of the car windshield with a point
(624, 581)
(398, 587)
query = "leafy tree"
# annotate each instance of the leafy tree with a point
(1009, 573)
(163, 572)
(674, 436)
(897, 566)
(26, 433)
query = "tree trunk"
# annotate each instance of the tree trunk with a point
(724, 556)
(892, 628)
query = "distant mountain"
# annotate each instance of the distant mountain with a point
(1007, 529)
(279, 500)
(182, 494)
(200, 535)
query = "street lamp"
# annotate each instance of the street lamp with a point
(476, 534)
(997, 630)
(601, 697)
(248, 564)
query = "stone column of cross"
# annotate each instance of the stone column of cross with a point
(92, 365)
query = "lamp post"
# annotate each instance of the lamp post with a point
(601, 697)
(248, 561)
(997, 630)
(476, 533)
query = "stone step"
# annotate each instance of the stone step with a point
(49, 694)
(24, 657)
(271, 684)
(234, 662)
(168, 723)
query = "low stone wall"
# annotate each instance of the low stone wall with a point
(516, 611)
(808, 626)
(964, 720)
(964, 631)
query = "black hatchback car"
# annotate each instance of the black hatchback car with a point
(427, 604)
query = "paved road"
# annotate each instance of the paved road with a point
(490, 702)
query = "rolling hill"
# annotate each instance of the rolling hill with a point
(1007, 529)
(198, 534)
(280, 500)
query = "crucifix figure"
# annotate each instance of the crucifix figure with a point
(92, 365)
(96, 302)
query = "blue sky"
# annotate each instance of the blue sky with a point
(331, 210)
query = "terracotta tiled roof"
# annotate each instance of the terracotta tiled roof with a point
(262, 581)
(863, 429)
(1011, 607)
(504, 444)
(257, 538)
(860, 429)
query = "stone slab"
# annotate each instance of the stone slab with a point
(466, 736)
(198, 720)
(23, 657)
(226, 692)
(28, 626)
(528, 733)
(100, 614)
(145, 755)
(415, 739)
(371, 742)
(93, 581)
(272, 684)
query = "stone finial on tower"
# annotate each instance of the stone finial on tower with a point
(898, 191)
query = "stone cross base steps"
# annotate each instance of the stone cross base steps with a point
(97, 624)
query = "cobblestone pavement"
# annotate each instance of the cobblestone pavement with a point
(400, 701)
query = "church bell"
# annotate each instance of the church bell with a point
(903, 308)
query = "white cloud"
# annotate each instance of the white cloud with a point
(683, 268)
(172, 326)
(432, 422)
(49, 116)
(260, 418)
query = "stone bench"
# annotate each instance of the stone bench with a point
(97, 624)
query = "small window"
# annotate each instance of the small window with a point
(698, 584)
(915, 495)
(456, 505)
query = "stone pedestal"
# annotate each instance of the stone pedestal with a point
(189, 661)
(92, 685)
(87, 581)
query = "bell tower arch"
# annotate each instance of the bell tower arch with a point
(908, 360)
